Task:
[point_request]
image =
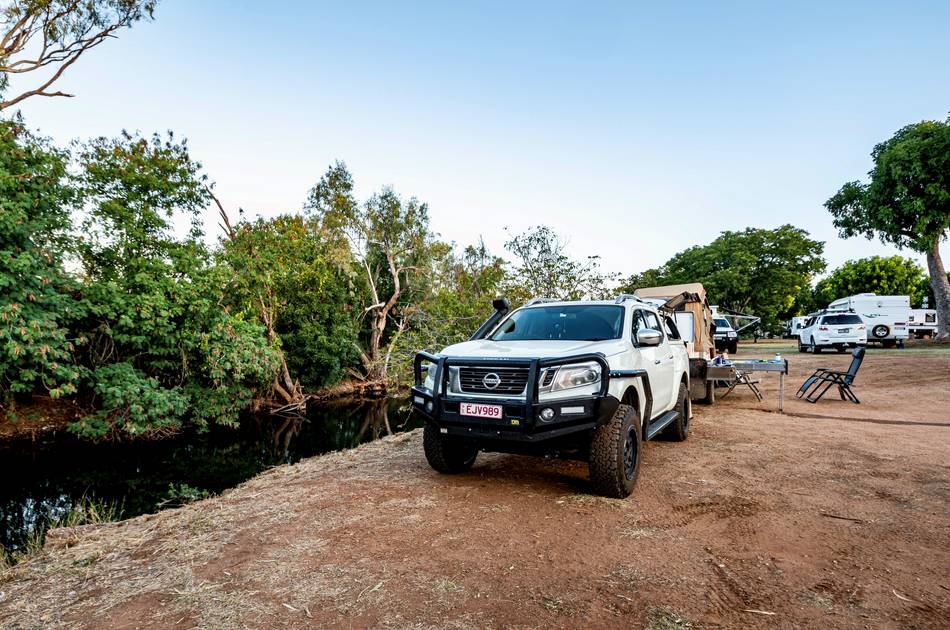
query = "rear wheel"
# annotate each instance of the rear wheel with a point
(615, 453)
(679, 428)
(815, 348)
(447, 455)
(880, 331)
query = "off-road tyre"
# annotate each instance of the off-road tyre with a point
(815, 348)
(679, 428)
(733, 347)
(447, 455)
(615, 450)
(801, 347)
(710, 397)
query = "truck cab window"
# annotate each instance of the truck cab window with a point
(670, 328)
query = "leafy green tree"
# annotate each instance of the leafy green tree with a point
(893, 275)
(288, 270)
(389, 238)
(544, 269)
(36, 306)
(906, 202)
(653, 277)
(48, 36)
(160, 346)
(756, 271)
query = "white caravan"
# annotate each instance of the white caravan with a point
(922, 323)
(794, 327)
(886, 316)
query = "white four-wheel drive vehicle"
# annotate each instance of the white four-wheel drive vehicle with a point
(838, 330)
(588, 379)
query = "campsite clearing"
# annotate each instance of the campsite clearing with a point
(832, 515)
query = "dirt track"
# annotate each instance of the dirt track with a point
(831, 516)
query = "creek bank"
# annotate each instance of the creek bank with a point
(44, 479)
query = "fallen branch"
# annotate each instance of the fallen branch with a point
(758, 612)
(843, 518)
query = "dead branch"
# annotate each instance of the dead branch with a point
(60, 32)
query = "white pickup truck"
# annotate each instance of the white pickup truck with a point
(583, 379)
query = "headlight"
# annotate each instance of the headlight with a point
(429, 382)
(731, 335)
(575, 375)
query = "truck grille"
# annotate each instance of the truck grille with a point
(472, 380)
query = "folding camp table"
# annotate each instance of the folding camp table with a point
(780, 367)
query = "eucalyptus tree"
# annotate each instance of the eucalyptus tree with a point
(389, 239)
(45, 37)
(906, 202)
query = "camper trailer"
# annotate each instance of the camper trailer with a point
(694, 319)
(886, 316)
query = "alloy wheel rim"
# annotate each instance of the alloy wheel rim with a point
(630, 453)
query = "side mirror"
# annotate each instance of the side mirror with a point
(501, 304)
(649, 337)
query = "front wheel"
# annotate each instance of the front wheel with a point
(733, 347)
(615, 453)
(679, 428)
(447, 455)
(802, 347)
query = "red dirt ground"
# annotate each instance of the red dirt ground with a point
(831, 516)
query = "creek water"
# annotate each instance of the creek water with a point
(43, 481)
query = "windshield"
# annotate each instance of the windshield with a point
(721, 323)
(837, 320)
(575, 322)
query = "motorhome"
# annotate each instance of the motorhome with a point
(886, 316)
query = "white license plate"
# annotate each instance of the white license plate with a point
(844, 330)
(480, 411)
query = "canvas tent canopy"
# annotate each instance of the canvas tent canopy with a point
(689, 298)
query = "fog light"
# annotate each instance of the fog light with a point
(547, 414)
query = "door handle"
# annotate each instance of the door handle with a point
(657, 362)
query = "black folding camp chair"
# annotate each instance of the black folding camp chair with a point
(824, 379)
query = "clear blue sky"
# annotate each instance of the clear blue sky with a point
(635, 129)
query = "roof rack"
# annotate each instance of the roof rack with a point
(623, 297)
(539, 300)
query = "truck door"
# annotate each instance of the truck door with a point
(657, 361)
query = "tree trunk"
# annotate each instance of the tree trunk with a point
(941, 289)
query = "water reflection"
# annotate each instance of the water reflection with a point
(41, 481)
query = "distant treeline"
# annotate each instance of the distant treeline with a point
(106, 299)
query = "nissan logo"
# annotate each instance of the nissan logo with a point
(491, 380)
